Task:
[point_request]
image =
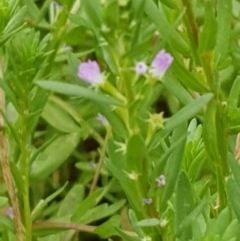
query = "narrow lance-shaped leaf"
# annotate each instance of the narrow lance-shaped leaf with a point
(183, 204)
(207, 38)
(233, 192)
(77, 91)
(224, 21)
(54, 155)
(173, 165)
(166, 28)
(188, 111)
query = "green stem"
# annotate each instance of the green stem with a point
(25, 170)
(100, 162)
(206, 60)
(216, 146)
(191, 29)
(127, 80)
(222, 145)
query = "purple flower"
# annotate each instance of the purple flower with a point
(90, 72)
(102, 119)
(141, 68)
(161, 180)
(161, 63)
(148, 200)
(9, 212)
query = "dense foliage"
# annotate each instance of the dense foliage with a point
(119, 120)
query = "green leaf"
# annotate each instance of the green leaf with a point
(235, 168)
(18, 178)
(161, 163)
(118, 167)
(189, 219)
(195, 154)
(10, 94)
(183, 205)
(94, 13)
(7, 223)
(112, 14)
(15, 21)
(33, 10)
(3, 201)
(48, 232)
(187, 112)
(98, 212)
(138, 9)
(233, 98)
(197, 162)
(233, 191)
(186, 78)
(170, 3)
(59, 118)
(134, 222)
(231, 231)
(37, 103)
(166, 28)
(106, 52)
(222, 141)
(43, 203)
(119, 130)
(89, 202)
(108, 228)
(224, 22)
(77, 91)
(53, 156)
(173, 165)
(135, 153)
(210, 132)
(176, 88)
(149, 222)
(71, 200)
(207, 37)
(223, 220)
(127, 236)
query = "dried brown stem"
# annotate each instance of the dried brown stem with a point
(73, 226)
(7, 175)
(99, 164)
(237, 148)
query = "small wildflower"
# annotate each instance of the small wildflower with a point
(161, 180)
(148, 200)
(90, 72)
(132, 175)
(9, 212)
(161, 63)
(156, 120)
(141, 68)
(102, 119)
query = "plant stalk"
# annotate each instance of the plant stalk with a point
(6, 170)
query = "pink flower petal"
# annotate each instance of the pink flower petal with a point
(90, 72)
(161, 63)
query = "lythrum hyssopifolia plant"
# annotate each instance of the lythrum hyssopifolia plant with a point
(119, 120)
